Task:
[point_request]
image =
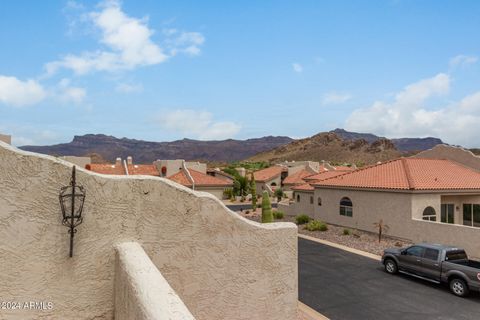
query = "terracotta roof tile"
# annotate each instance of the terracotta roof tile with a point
(200, 179)
(323, 175)
(143, 169)
(268, 173)
(297, 177)
(408, 174)
(106, 168)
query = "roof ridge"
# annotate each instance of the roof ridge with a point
(408, 174)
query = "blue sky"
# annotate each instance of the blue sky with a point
(239, 69)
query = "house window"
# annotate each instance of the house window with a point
(319, 201)
(273, 184)
(311, 199)
(346, 207)
(429, 214)
(298, 198)
(471, 215)
(446, 214)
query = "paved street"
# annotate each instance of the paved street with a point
(343, 285)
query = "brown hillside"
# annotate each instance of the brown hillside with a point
(329, 146)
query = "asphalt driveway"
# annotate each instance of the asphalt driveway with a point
(344, 285)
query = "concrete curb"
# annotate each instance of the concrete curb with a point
(310, 314)
(342, 247)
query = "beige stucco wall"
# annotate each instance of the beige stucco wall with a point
(215, 191)
(141, 292)
(303, 206)
(222, 266)
(79, 161)
(261, 186)
(368, 207)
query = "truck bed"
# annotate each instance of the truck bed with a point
(468, 263)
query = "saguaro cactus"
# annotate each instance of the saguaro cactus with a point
(267, 215)
(253, 190)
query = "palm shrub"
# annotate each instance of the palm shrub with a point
(267, 215)
(302, 219)
(253, 190)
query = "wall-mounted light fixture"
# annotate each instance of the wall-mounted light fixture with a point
(72, 198)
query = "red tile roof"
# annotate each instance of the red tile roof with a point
(200, 179)
(143, 169)
(106, 168)
(408, 174)
(267, 173)
(297, 177)
(344, 168)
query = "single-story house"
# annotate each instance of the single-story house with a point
(419, 199)
(269, 178)
(184, 175)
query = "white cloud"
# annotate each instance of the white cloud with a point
(335, 98)
(198, 124)
(129, 88)
(462, 61)
(19, 93)
(66, 93)
(128, 44)
(297, 67)
(408, 116)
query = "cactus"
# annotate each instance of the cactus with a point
(267, 215)
(253, 189)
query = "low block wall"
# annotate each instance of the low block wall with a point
(141, 292)
(221, 265)
(464, 237)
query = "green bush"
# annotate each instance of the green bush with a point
(228, 193)
(302, 219)
(316, 225)
(267, 215)
(346, 232)
(278, 214)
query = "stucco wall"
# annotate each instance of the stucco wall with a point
(141, 292)
(303, 206)
(221, 265)
(215, 191)
(6, 138)
(368, 207)
(261, 185)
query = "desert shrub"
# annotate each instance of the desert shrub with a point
(278, 214)
(228, 193)
(247, 212)
(346, 232)
(302, 219)
(316, 225)
(279, 194)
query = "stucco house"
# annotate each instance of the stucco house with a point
(419, 199)
(182, 173)
(269, 178)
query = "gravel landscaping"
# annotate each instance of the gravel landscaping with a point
(361, 240)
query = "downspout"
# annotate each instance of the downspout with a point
(189, 176)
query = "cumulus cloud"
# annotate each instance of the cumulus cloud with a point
(198, 124)
(297, 67)
(127, 43)
(20, 93)
(335, 98)
(408, 115)
(129, 88)
(462, 61)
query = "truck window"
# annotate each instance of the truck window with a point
(431, 254)
(415, 251)
(456, 255)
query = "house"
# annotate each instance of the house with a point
(217, 173)
(269, 178)
(184, 173)
(419, 199)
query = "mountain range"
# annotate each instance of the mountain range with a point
(337, 145)
(109, 148)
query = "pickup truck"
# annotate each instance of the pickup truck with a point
(436, 263)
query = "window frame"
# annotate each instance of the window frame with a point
(346, 209)
(429, 216)
(444, 213)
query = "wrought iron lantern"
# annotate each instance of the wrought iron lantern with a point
(72, 198)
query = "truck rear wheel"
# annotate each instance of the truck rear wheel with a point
(458, 287)
(391, 266)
